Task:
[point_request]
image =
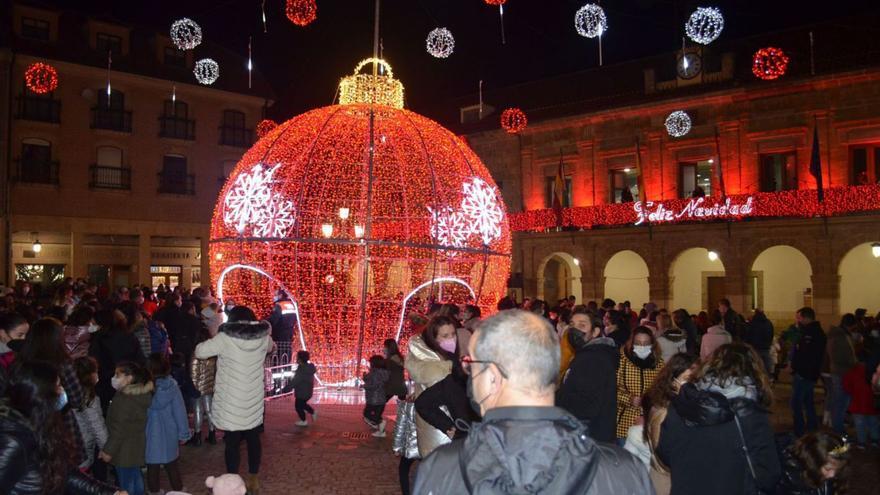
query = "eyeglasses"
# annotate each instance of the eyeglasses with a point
(467, 361)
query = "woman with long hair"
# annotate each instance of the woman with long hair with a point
(640, 362)
(717, 437)
(817, 463)
(34, 445)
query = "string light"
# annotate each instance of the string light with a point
(41, 78)
(513, 120)
(440, 43)
(381, 89)
(496, 3)
(704, 25)
(678, 123)
(265, 127)
(769, 63)
(206, 71)
(301, 12)
(590, 21)
(186, 34)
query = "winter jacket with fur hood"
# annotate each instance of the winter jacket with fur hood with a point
(127, 425)
(241, 349)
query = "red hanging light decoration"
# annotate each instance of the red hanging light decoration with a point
(769, 63)
(41, 78)
(496, 2)
(265, 127)
(301, 12)
(513, 120)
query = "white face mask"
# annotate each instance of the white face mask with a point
(115, 382)
(93, 327)
(642, 351)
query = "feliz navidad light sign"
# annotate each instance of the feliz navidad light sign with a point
(696, 209)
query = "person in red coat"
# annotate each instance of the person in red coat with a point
(861, 406)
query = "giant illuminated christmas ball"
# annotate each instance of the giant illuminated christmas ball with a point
(362, 212)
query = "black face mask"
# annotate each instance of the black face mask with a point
(475, 404)
(576, 338)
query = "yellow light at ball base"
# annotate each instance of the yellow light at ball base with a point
(379, 89)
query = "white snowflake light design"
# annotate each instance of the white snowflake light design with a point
(590, 21)
(186, 34)
(678, 123)
(449, 227)
(440, 43)
(481, 207)
(704, 25)
(253, 203)
(206, 71)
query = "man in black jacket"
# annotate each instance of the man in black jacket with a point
(806, 366)
(589, 388)
(759, 335)
(524, 444)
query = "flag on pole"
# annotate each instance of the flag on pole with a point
(640, 179)
(816, 164)
(719, 171)
(559, 191)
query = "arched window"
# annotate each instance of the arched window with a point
(36, 163)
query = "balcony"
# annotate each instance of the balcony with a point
(111, 119)
(236, 136)
(177, 128)
(39, 109)
(37, 172)
(177, 183)
(103, 177)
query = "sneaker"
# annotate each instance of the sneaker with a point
(314, 416)
(379, 434)
(369, 423)
(301, 423)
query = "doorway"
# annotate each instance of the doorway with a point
(714, 292)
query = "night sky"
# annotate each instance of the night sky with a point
(305, 64)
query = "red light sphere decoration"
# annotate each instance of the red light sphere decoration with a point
(513, 120)
(496, 2)
(301, 12)
(41, 78)
(265, 127)
(362, 213)
(769, 63)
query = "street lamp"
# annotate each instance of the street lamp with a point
(875, 249)
(37, 247)
(577, 262)
(713, 256)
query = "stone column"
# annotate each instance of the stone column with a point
(736, 281)
(586, 191)
(826, 296)
(77, 265)
(144, 259)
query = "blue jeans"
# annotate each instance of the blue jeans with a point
(130, 479)
(867, 428)
(802, 398)
(839, 402)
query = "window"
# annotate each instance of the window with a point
(861, 170)
(108, 43)
(45, 274)
(173, 123)
(173, 178)
(108, 171)
(41, 108)
(779, 172)
(228, 166)
(233, 131)
(624, 185)
(36, 165)
(175, 57)
(695, 179)
(550, 191)
(35, 29)
(110, 112)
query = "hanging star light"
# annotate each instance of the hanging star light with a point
(440, 43)
(590, 21)
(252, 203)
(704, 25)
(769, 63)
(513, 120)
(678, 123)
(265, 127)
(186, 34)
(301, 12)
(482, 208)
(41, 78)
(206, 71)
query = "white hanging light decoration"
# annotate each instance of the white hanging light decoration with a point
(206, 71)
(440, 43)
(704, 25)
(186, 34)
(678, 123)
(590, 21)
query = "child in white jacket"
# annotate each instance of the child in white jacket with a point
(89, 417)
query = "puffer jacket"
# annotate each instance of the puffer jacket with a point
(20, 461)
(127, 424)
(76, 340)
(426, 368)
(203, 373)
(405, 442)
(93, 429)
(536, 450)
(792, 481)
(304, 381)
(240, 348)
(167, 423)
(374, 386)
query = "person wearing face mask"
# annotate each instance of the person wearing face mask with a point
(512, 369)
(588, 387)
(640, 362)
(428, 360)
(13, 329)
(445, 405)
(113, 343)
(78, 331)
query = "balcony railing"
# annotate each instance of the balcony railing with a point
(177, 183)
(39, 109)
(104, 177)
(177, 127)
(112, 119)
(37, 172)
(236, 136)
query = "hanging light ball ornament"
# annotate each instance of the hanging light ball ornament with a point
(301, 12)
(590, 21)
(423, 217)
(678, 123)
(513, 120)
(769, 63)
(186, 34)
(265, 127)
(496, 2)
(41, 78)
(440, 43)
(206, 71)
(704, 25)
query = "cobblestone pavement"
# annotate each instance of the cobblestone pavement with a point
(338, 456)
